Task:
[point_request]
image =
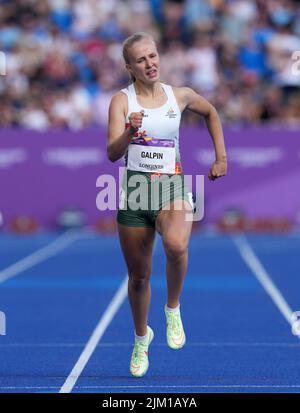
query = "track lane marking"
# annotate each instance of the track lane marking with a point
(263, 277)
(42, 254)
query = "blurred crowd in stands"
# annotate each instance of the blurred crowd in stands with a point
(64, 57)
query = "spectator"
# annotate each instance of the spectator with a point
(203, 63)
(63, 57)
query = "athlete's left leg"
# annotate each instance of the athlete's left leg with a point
(175, 229)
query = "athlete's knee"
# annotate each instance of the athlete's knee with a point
(139, 281)
(175, 247)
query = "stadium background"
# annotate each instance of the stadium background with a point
(63, 63)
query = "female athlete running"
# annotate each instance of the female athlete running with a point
(144, 121)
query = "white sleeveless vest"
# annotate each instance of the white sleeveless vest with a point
(155, 146)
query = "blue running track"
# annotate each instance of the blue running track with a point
(238, 340)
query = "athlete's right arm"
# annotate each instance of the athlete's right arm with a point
(119, 137)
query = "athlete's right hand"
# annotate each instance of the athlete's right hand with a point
(136, 120)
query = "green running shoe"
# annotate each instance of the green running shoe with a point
(139, 360)
(175, 332)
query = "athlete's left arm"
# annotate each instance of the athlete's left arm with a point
(190, 100)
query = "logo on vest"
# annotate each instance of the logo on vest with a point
(171, 113)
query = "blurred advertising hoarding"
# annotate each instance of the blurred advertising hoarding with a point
(43, 173)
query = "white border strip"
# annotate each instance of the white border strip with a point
(208, 386)
(40, 255)
(91, 345)
(162, 344)
(263, 277)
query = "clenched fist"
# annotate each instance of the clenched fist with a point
(218, 169)
(136, 120)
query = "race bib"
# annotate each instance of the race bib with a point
(152, 155)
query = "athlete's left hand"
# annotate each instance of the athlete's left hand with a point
(218, 169)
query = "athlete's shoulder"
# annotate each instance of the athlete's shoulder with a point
(119, 103)
(119, 99)
(119, 96)
(183, 91)
(183, 95)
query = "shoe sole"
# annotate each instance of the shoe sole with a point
(177, 348)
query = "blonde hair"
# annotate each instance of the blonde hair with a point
(136, 37)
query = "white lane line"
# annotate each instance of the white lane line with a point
(104, 322)
(162, 344)
(208, 386)
(100, 329)
(263, 277)
(204, 386)
(40, 255)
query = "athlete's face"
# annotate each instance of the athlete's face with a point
(144, 61)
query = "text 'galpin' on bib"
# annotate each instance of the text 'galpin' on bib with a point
(152, 155)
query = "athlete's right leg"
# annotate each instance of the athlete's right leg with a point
(137, 246)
